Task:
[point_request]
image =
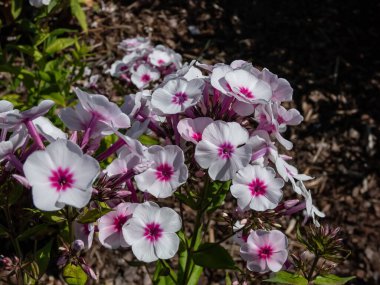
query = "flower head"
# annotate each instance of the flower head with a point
(265, 251)
(60, 175)
(257, 187)
(223, 150)
(167, 172)
(177, 95)
(144, 75)
(111, 224)
(192, 129)
(152, 232)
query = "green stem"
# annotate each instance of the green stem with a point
(197, 226)
(310, 275)
(165, 264)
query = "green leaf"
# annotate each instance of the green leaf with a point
(59, 45)
(16, 8)
(148, 140)
(31, 51)
(188, 200)
(38, 229)
(77, 11)
(217, 194)
(212, 255)
(332, 279)
(57, 97)
(284, 277)
(92, 215)
(74, 275)
(161, 275)
(43, 257)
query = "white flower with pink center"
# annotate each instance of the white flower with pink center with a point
(257, 187)
(177, 95)
(134, 44)
(191, 129)
(265, 251)
(111, 224)
(160, 58)
(152, 232)
(144, 75)
(60, 175)
(223, 150)
(246, 87)
(167, 172)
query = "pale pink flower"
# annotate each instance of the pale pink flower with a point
(257, 187)
(152, 232)
(265, 251)
(134, 44)
(16, 140)
(60, 175)
(162, 56)
(281, 89)
(85, 233)
(118, 68)
(167, 172)
(311, 210)
(177, 95)
(223, 150)
(111, 224)
(191, 129)
(291, 117)
(46, 128)
(144, 75)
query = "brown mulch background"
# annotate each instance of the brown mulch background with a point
(328, 50)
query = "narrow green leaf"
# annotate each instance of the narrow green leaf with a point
(92, 215)
(59, 45)
(284, 277)
(43, 257)
(77, 11)
(332, 279)
(38, 229)
(148, 140)
(212, 255)
(74, 275)
(16, 8)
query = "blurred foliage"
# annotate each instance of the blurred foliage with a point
(42, 54)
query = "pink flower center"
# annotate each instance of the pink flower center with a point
(280, 120)
(179, 98)
(145, 78)
(265, 252)
(257, 187)
(161, 62)
(226, 150)
(197, 136)
(152, 232)
(61, 179)
(164, 172)
(246, 92)
(124, 68)
(119, 221)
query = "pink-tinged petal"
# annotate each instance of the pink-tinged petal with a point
(46, 128)
(206, 154)
(277, 240)
(45, 199)
(144, 251)
(261, 203)
(217, 78)
(243, 109)
(277, 260)
(75, 197)
(192, 129)
(166, 246)
(242, 194)
(133, 231)
(37, 168)
(169, 220)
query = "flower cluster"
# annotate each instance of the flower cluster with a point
(211, 123)
(143, 64)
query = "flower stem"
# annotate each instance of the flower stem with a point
(34, 134)
(310, 275)
(111, 150)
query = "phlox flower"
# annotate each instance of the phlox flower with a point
(94, 112)
(85, 233)
(223, 150)
(167, 172)
(5, 108)
(177, 95)
(191, 129)
(16, 140)
(152, 232)
(118, 68)
(46, 128)
(265, 251)
(311, 210)
(111, 224)
(162, 56)
(257, 187)
(144, 75)
(60, 175)
(134, 44)
(137, 104)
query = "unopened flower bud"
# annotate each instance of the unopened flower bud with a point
(77, 245)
